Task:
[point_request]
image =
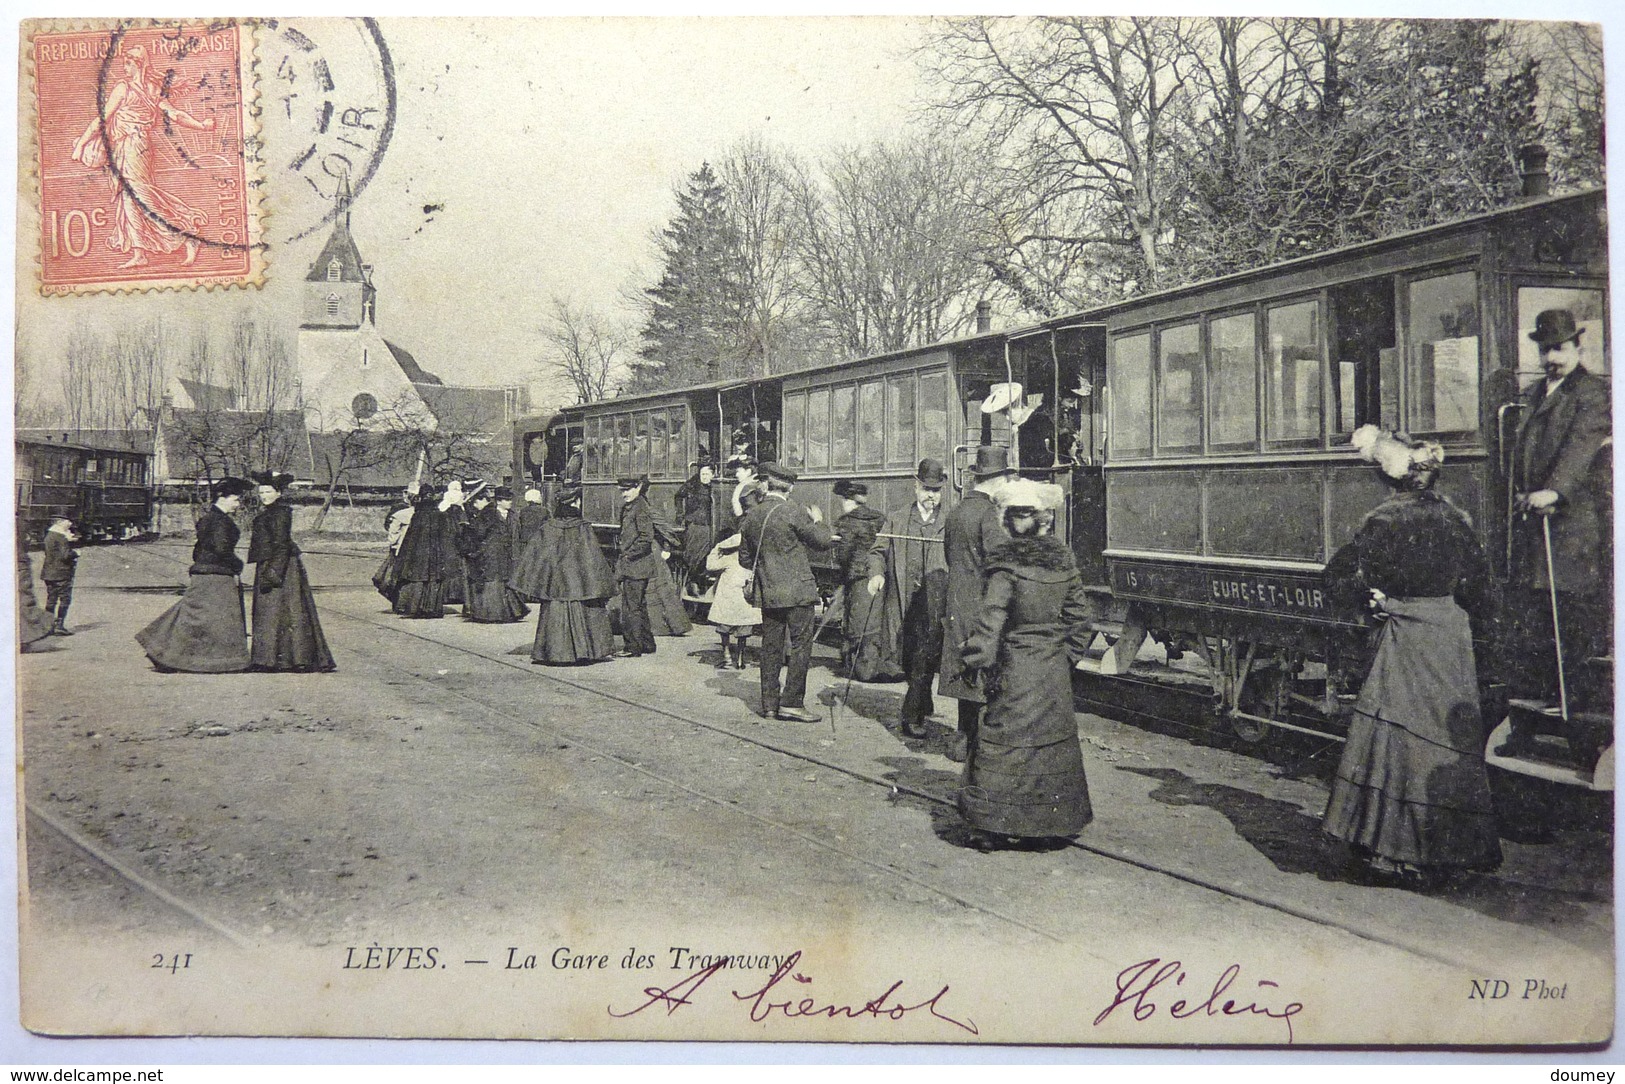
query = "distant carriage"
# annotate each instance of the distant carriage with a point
(103, 482)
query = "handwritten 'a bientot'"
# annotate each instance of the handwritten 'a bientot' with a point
(770, 999)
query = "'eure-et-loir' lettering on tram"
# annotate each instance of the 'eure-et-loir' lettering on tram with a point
(1263, 594)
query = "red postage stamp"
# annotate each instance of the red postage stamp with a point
(145, 140)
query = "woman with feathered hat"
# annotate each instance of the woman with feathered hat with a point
(1411, 795)
(1024, 778)
(287, 633)
(205, 633)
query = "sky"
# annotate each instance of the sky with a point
(548, 150)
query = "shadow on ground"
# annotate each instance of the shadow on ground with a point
(1293, 843)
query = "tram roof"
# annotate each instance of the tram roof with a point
(1330, 255)
(734, 383)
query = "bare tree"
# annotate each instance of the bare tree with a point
(760, 181)
(1077, 111)
(887, 245)
(584, 348)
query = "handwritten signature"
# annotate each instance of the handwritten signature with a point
(763, 1003)
(1136, 982)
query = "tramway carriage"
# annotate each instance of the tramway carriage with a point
(102, 480)
(1225, 465)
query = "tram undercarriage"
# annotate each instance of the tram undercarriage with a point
(1256, 684)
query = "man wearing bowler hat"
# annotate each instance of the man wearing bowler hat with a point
(635, 565)
(774, 537)
(908, 563)
(1564, 433)
(973, 528)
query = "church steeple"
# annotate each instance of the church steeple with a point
(338, 290)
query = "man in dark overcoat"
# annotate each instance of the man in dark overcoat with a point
(860, 619)
(973, 528)
(775, 537)
(1565, 431)
(635, 565)
(907, 562)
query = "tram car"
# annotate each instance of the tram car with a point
(1223, 464)
(1202, 435)
(102, 481)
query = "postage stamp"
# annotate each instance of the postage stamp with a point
(145, 151)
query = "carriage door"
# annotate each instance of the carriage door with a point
(1081, 352)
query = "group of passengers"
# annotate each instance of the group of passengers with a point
(983, 599)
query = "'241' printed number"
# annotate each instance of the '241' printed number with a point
(173, 962)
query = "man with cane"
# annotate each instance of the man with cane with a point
(907, 562)
(1561, 602)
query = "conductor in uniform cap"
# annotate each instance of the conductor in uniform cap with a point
(775, 536)
(635, 565)
(1564, 440)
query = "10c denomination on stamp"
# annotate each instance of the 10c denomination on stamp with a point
(144, 138)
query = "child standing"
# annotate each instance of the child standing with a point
(60, 559)
(731, 613)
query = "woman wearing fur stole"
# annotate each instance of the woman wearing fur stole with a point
(1411, 796)
(1024, 779)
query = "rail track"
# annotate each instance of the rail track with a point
(392, 628)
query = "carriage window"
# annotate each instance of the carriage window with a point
(933, 412)
(1293, 370)
(900, 420)
(660, 445)
(1179, 389)
(676, 438)
(1131, 395)
(795, 429)
(1365, 356)
(640, 444)
(1590, 316)
(591, 458)
(818, 429)
(623, 445)
(871, 424)
(1234, 374)
(841, 402)
(1443, 337)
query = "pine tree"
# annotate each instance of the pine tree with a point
(693, 330)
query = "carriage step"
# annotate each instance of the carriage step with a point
(1536, 707)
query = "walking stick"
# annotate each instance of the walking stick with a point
(1557, 631)
(852, 663)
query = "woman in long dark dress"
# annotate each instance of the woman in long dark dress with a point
(566, 573)
(693, 507)
(427, 552)
(205, 633)
(287, 633)
(486, 542)
(33, 623)
(1411, 796)
(1024, 777)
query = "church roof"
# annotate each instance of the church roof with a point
(409, 365)
(340, 246)
(465, 410)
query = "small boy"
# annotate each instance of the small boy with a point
(60, 559)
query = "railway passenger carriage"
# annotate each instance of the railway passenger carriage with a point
(1229, 479)
(1201, 434)
(105, 486)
